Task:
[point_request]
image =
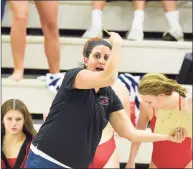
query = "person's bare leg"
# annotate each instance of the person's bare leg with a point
(113, 162)
(139, 5)
(152, 165)
(18, 36)
(136, 32)
(189, 164)
(172, 17)
(96, 20)
(48, 12)
(98, 7)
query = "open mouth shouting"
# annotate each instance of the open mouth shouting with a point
(99, 69)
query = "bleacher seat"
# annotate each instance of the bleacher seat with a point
(136, 57)
(117, 16)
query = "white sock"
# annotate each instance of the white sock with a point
(56, 74)
(173, 20)
(138, 19)
(96, 19)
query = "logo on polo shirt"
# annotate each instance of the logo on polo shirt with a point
(103, 100)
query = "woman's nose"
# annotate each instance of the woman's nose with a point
(102, 61)
(14, 122)
(150, 106)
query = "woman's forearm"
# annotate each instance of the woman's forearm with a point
(146, 136)
(112, 66)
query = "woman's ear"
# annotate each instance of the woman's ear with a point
(85, 61)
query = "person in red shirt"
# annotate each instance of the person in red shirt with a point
(160, 93)
(17, 132)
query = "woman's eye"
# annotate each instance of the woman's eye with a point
(18, 119)
(97, 56)
(106, 57)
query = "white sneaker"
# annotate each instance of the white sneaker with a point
(135, 35)
(173, 35)
(90, 33)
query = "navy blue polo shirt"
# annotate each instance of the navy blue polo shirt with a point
(73, 128)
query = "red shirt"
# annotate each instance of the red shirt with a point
(11, 162)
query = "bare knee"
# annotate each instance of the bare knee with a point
(20, 17)
(50, 29)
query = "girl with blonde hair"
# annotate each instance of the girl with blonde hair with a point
(161, 93)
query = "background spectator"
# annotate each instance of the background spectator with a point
(48, 12)
(172, 16)
(16, 133)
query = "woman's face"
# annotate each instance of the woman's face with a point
(13, 122)
(97, 58)
(153, 101)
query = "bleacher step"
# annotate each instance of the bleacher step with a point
(32, 92)
(116, 16)
(136, 57)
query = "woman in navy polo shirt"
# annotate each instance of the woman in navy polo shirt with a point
(82, 108)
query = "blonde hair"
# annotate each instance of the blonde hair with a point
(15, 104)
(157, 83)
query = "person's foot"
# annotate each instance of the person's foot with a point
(135, 35)
(173, 35)
(90, 33)
(16, 76)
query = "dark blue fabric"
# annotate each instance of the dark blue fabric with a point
(3, 2)
(36, 161)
